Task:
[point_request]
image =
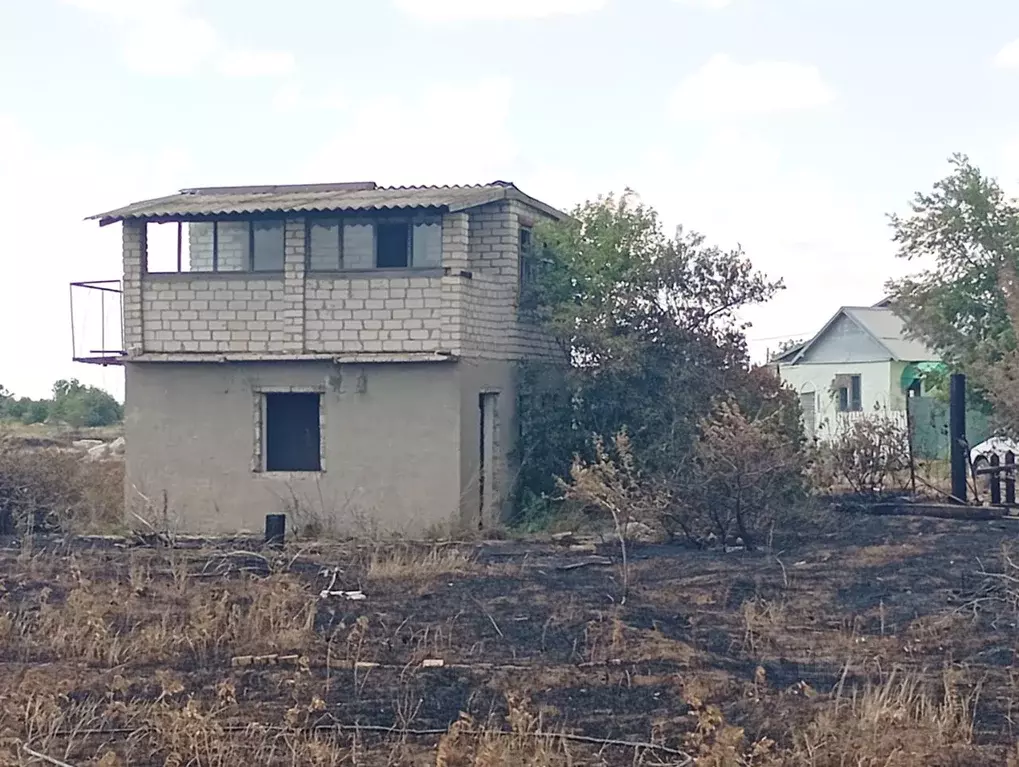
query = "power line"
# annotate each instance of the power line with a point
(781, 338)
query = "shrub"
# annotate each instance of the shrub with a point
(52, 489)
(612, 483)
(869, 456)
(745, 476)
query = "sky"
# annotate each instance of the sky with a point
(788, 127)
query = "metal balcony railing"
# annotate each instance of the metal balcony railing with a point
(97, 322)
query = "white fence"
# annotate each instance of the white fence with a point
(839, 422)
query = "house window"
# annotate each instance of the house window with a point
(291, 431)
(335, 244)
(850, 395)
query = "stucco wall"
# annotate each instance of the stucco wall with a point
(391, 435)
(876, 386)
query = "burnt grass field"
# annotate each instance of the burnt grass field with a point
(865, 641)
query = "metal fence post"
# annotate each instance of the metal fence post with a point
(957, 435)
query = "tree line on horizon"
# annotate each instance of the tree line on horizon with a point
(71, 403)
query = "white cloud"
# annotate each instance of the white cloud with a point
(725, 88)
(247, 63)
(1008, 56)
(736, 188)
(448, 134)
(495, 10)
(712, 5)
(292, 97)
(166, 38)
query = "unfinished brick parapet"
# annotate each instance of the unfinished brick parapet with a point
(189, 313)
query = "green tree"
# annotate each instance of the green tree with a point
(965, 302)
(34, 411)
(79, 405)
(651, 328)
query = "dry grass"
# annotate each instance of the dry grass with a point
(897, 723)
(110, 627)
(413, 562)
(524, 743)
(212, 657)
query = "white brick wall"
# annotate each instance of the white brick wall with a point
(471, 311)
(204, 314)
(233, 242)
(491, 327)
(393, 314)
(131, 301)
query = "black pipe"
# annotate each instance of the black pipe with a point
(275, 529)
(957, 435)
(1010, 479)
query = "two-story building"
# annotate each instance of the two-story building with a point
(342, 352)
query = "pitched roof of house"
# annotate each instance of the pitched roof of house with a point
(881, 324)
(888, 328)
(306, 198)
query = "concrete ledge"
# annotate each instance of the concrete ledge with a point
(940, 510)
(345, 359)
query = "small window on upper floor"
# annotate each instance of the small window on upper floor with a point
(526, 261)
(337, 244)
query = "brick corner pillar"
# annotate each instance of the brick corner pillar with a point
(294, 260)
(134, 249)
(455, 260)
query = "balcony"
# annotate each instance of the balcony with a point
(97, 325)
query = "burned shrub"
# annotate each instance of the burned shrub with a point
(47, 489)
(868, 456)
(744, 477)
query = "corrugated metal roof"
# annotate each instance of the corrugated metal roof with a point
(360, 196)
(888, 328)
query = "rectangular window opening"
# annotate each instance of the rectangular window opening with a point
(267, 246)
(215, 246)
(850, 393)
(855, 394)
(360, 244)
(291, 431)
(393, 245)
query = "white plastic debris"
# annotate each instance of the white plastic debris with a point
(353, 596)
